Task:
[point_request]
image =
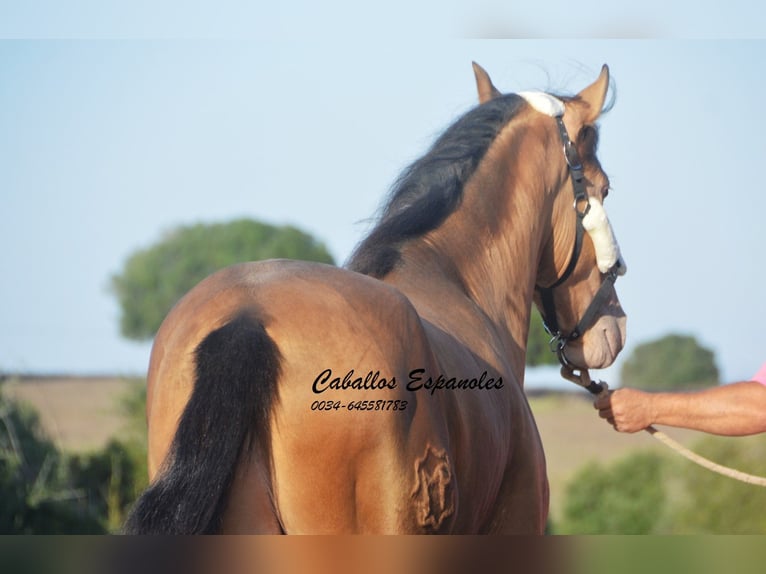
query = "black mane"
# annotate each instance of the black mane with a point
(428, 191)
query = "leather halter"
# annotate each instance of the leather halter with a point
(559, 339)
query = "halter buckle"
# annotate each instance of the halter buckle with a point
(586, 209)
(557, 342)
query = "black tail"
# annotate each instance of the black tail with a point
(237, 367)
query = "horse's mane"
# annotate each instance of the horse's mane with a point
(430, 189)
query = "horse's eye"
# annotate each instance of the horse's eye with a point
(605, 192)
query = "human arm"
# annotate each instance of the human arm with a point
(736, 409)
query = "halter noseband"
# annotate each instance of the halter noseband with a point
(559, 339)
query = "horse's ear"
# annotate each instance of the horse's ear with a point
(594, 96)
(487, 91)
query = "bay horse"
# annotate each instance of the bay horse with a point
(387, 396)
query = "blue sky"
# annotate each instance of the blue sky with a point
(105, 145)
(388, 21)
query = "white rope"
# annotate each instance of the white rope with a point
(703, 462)
(583, 379)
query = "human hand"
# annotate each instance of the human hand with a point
(627, 410)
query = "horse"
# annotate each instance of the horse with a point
(386, 396)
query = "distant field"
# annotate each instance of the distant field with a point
(81, 414)
(78, 413)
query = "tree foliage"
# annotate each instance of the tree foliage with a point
(625, 498)
(673, 362)
(154, 279)
(35, 493)
(538, 343)
(46, 491)
(647, 493)
(715, 504)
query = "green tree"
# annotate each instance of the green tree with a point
(715, 504)
(113, 477)
(625, 498)
(154, 279)
(46, 491)
(672, 362)
(538, 343)
(36, 494)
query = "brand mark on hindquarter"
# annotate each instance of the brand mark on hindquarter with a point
(433, 493)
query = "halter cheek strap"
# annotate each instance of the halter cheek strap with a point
(582, 208)
(597, 224)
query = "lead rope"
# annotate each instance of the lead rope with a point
(583, 379)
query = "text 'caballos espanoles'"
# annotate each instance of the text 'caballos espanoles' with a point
(417, 380)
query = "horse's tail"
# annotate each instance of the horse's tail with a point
(237, 367)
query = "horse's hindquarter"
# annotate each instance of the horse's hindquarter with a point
(353, 450)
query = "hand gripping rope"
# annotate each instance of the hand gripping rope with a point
(582, 378)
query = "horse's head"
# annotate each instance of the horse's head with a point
(579, 257)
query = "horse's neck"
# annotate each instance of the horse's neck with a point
(480, 266)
